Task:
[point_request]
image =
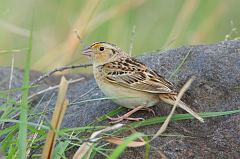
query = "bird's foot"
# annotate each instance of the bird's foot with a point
(150, 110)
(127, 116)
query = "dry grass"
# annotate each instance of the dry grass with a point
(57, 117)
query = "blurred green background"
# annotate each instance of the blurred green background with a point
(147, 25)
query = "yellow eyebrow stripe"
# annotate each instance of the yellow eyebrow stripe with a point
(96, 45)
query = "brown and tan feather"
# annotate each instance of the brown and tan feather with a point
(131, 73)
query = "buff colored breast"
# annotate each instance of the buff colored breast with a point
(126, 97)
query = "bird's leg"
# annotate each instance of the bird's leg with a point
(126, 116)
(150, 110)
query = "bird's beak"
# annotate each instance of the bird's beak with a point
(87, 51)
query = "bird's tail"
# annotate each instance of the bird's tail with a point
(170, 99)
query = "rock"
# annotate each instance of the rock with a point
(216, 88)
(17, 79)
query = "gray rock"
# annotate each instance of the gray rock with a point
(216, 88)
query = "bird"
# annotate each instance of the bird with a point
(132, 84)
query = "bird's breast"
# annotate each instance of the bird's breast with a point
(124, 96)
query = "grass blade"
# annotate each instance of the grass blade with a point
(60, 108)
(22, 136)
(118, 151)
(177, 117)
(60, 149)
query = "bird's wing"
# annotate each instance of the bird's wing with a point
(131, 73)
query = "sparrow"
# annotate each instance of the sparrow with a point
(134, 85)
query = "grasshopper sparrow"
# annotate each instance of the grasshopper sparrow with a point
(119, 75)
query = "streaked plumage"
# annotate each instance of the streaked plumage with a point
(118, 74)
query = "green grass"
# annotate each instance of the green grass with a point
(177, 117)
(71, 137)
(180, 65)
(23, 130)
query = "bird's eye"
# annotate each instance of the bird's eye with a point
(101, 48)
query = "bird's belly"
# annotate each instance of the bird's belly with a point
(127, 97)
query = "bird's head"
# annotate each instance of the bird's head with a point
(103, 52)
